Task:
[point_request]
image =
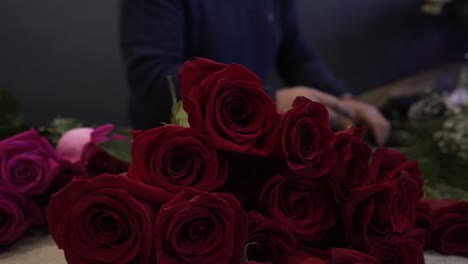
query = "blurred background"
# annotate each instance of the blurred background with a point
(62, 57)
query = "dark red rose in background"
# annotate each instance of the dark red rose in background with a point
(197, 227)
(449, 230)
(424, 218)
(96, 162)
(407, 178)
(17, 214)
(272, 241)
(28, 163)
(368, 211)
(405, 248)
(307, 139)
(391, 167)
(300, 204)
(228, 104)
(174, 157)
(106, 219)
(353, 162)
(383, 162)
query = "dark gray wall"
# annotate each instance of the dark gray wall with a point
(61, 57)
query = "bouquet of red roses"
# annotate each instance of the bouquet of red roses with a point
(248, 184)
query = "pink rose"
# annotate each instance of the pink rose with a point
(80, 145)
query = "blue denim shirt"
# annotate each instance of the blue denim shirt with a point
(157, 36)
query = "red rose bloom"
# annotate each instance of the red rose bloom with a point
(17, 215)
(106, 219)
(272, 241)
(352, 165)
(368, 211)
(449, 230)
(198, 227)
(174, 157)
(391, 167)
(96, 162)
(229, 105)
(307, 139)
(405, 248)
(300, 204)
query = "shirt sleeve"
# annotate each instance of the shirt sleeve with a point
(298, 64)
(152, 48)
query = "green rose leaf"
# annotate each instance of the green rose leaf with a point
(119, 149)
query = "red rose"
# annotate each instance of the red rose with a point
(405, 248)
(96, 162)
(272, 242)
(390, 166)
(307, 139)
(198, 227)
(174, 157)
(300, 204)
(17, 215)
(368, 211)
(424, 218)
(28, 163)
(383, 162)
(352, 165)
(449, 232)
(229, 105)
(107, 219)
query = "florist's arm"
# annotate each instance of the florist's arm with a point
(152, 46)
(301, 68)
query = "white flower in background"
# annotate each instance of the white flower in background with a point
(452, 138)
(459, 97)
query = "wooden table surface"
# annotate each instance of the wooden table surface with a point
(41, 249)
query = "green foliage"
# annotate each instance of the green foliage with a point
(57, 127)
(443, 176)
(11, 115)
(119, 149)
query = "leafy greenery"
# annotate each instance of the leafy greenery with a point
(444, 176)
(11, 115)
(119, 149)
(59, 126)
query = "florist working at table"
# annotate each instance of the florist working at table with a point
(157, 36)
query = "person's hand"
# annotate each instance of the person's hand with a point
(285, 97)
(370, 116)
